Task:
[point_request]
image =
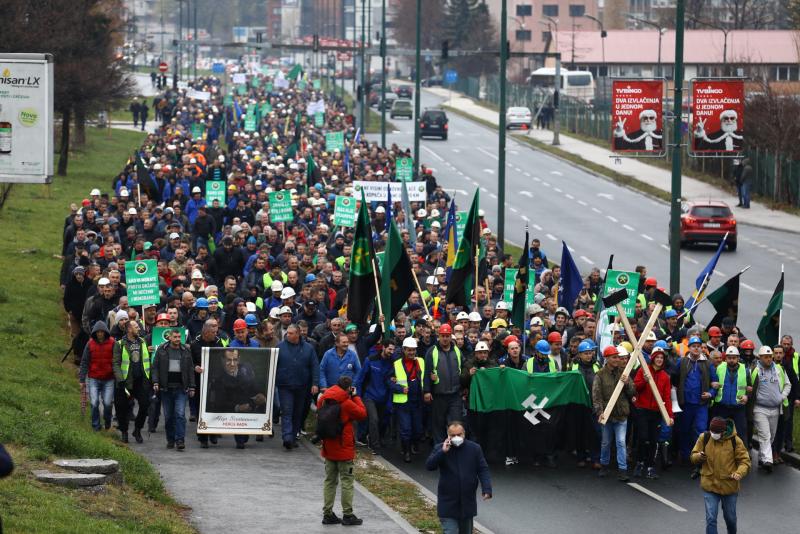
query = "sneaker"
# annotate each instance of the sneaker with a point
(651, 473)
(638, 470)
(180, 445)
(295, 445)
(603, 471)
(515, 459)
(767, 467)
(137, 435)
(286, 445)
(351, 520)
(375, 452)
(170, 444)
(330, 519)
(622, 476)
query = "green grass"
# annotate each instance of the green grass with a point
(39, 396)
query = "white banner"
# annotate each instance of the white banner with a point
(198, 95)
(378, 192)
(316, 107)
(239, 78)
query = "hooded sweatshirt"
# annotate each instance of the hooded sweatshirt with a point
(97, 356)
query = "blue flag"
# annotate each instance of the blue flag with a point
(409, 217)
(571, 282)
(389, 208)
(347, 161)
(451, 237)
(705, 277)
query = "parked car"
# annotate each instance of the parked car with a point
(431, 82)
(433, 123)
(519, 117)
(707, 221)
(390, 98)
(404, 91)
(402, 108)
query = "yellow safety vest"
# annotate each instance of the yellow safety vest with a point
(126, 359)
(402, 378)
(435, 358)
(575, 366)
(551, 364)
(781, 378)
(266, 280)
(741, 380)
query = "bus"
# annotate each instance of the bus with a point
(577, 84)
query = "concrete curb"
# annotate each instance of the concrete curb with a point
(791, 458)
(393, 515)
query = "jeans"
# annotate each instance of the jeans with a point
(451, 525)
(100, 390)
(712, 501)
(174, 402)
(333, 472)
(692, 422)
(409, 421)
(746, 194)
(292, 398)
(617, 430)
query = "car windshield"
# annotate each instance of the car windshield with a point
(711, 211)
(580, 80)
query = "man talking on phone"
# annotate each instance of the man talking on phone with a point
(461, 466)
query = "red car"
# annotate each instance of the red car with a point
(707, 221)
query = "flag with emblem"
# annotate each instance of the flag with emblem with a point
(361, 288)
(462, 277)
(769, 329)
(521, 287)
(396, 279)
(450, 236)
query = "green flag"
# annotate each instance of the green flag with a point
(770, 326)
(463, 273)
(725, 300)
(296, 71)
(397, 282)
(361, 287)
(521, 288)
(507, 389)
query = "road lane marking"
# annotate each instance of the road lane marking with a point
(492, 195)
(607, 196)
(691, 260)
(527, 174)
(720, 272)
(456, 150)
(546, 184)
(537, 179)
(525, 218)
(484, 190)
(557, 173)
(569, 196)
(551, 237)
(513, 209)
(748, 287)
(557, 190)
(612, 219)
(583, 203)
(657, 497)
(647, 237)
(665, 247)
(537, 227)
(587, 260)
(488, 153)
(629, 227)
(488, 171)
(434, 154)
(596, 210)
(791, 306)
(570, 248)
(526, 194)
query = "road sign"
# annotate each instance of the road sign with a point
(616, 280)
(404, 169)
(450, 77)
(163, 67)
(280, 206)
(344, 211)
(141, 278)
(218, 68)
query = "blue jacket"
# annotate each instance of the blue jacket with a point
(460, 469)
(235, 343)
(371, 382)
(297, 365)
(332, 367)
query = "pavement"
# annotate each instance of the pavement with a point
(263, 488)
(758, 214)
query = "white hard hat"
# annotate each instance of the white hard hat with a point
(622, 351)
(481, 347)
(285, 309)
(274, 312)
(462, 316)
(431, 280)
(438, 271)
(380, 209)
(501, 306)
(731, 351)
(765, 350)
(287, 293)
(95, 193)
(410, 343)
(276, 286)
(196, 189)
(422, 213)
(652, 336)
(481, 213)
(434, 212)
(174, 235)
(103, 282)
(474, 317)
(251, 307)
(537, 321)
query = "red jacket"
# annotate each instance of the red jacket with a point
(644, 395)
(352, 409)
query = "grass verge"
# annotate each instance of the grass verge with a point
(39, 396)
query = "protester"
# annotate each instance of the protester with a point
(770, 397)
(648, 414)
(442, 384)
(406, 383)
(132, 372)
(297, 378)
(615, 429)
(97, 373)
(173, 377)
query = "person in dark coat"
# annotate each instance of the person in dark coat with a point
(462, 466)
(229, 260)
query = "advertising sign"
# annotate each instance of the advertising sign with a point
(404, 169)
(280, 206)
(26, 118)
(616, 280)
(141, 277)
(717, 115)
(334, 140)
(636, 116)
(215, 190)
(377, 191)
(344, 211)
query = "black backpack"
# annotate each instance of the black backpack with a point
(329, 422)
(707, 436)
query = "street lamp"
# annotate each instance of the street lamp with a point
(661, 31)
(521, 27)
(603, 36)
(725, 43)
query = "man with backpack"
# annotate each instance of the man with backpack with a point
(724, 461)
(337, 409)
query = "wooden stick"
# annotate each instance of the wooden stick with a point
(377, 287)
(425, 304)
(636, 350)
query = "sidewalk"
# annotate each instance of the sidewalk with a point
(757, 215)
(263, 488)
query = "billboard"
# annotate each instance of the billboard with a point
(636, 116)
(26, 118)
(717, 115)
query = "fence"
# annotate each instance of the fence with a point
(774, 176)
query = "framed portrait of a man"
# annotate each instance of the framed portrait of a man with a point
(236, 390)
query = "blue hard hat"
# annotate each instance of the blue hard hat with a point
(318, 187)
(310, 278)
(201, 304)
(585, 346)
(695, 339)
(331, 197)
(542, 346)
(670, 313)
(662, 344)
(251, 320)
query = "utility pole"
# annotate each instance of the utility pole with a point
(417, 85)
(195, 40)
(180, 38)
(383, 73)
(363, 80)
(501, 141)
(675, 205)
(556, 99)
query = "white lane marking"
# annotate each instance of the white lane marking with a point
(492, 195)
(462, 191)
(609, 196)
(525, 218)
(557, 190)
(434, 154)
(537, 227)
(570, 248)
(488, 171)
(537, 179)
(748, 287)
(484, 190)
(513, 209)
(456, 150)
(596, 210)
(691, 260)
(546, 184)
(587, 260)
(513, 152)
(720, 272)
(569, 196)
(526, 194)
(517, 169)
(665, 247)
(657, 497)
(488, 153)
(791, 306)
(629, 227)
(557, 173)
(612, 219)
(460, 173)
(551, 237)
(526, 173)
(583, 203)
(647, 237)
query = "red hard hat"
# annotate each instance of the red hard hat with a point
(239, 324)
(611, 350)
(510, 339)
(445, 329)
(650, 282)
(554, 337)
(714, 331)
(162, 317)
(747, 344)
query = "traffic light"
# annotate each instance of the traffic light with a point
(445, 49)
(315, 43)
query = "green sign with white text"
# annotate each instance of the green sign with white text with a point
(215, 190)
(141, 278)
(319, 119)
(280, 206)
(508, 286)
(404, 169)
(334, 140)
(616, 280)
(344, 211)
(161, 335)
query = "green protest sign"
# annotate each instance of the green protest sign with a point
(228, 100)
(268, 87)
(215, 190)
(280, 206)
(404, 169)
(241, 89)
(161, 335)
(141, 278)
(255, 82)
(344, 211)
(197, 130)
(317, 85)
(334, 140)
(319, 119)
(461, 223)
(508, 286)
(250, 119)
(266, 109)
(616, 280)
(301, 85)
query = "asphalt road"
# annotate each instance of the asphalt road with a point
(597, 217)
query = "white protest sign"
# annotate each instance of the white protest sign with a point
(377, 191)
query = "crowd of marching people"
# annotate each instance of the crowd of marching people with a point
(230, 276)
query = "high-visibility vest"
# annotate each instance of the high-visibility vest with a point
(781, 378)
(126, 359)
(795, 363)
(551, 364)
(435, 358)
(266, 280)
(741, 380)
(575, 366)
(402, 378)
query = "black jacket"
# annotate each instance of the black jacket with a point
(159, 371)
(460, 469)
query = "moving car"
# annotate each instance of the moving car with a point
(518, 116)
(375, 97)
(707, 221)
(431, 82)
(404, 91)
(402, 108)
(433, 123)
(390, 99)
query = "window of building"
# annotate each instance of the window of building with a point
(546, 36)
(524, 10)
(523, 35)
(786, 73)
(577, 10)
(550, 10)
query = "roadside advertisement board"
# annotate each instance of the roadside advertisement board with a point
(717, 115)
(636, 116)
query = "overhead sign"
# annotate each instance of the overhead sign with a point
(334, 140)
(280, 206)
(344, 211)
(717, 116)
(215, 190)
(377, 191)
(636, 116)
(141, 279)
(404, 169)
(616, 280)
(26, 118)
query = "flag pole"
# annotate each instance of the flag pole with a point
(780, 313)
(377, 286)
(416, 281)
(705, 298)
(475, 282)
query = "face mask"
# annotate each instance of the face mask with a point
(716, 435)
(457, 441)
